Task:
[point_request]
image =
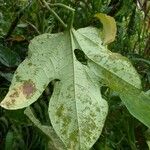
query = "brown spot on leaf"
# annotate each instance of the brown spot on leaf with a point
(59, 111)
(18, 78)
(13, 101)
(28, 88)
(8, 104)
(14, 95)
(74, 137)
(29, 64)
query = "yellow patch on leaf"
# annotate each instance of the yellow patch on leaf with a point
(18, 95)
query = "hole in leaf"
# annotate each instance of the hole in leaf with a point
(80, 56)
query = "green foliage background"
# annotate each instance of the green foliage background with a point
(21, 20)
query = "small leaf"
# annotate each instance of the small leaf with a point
(7, 76)
(8, 57)
(109, 27)
(22, 25)
(9, 140)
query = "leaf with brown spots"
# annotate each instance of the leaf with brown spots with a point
(76, 109)
(73, 108)
(19, 94)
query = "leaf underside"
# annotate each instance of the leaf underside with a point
(76, 109)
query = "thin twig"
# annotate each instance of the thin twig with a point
(34, 27)
(54, 13)
(62, 5)
(66, 7)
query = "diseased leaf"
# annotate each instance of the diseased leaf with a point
(31, 77)
(77, 110)
(81, 64)
(109, 27)
(116, 72)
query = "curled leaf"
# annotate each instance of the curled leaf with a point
(109, 27)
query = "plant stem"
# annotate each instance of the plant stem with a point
(54, 13)
(34, 27)
(62, 5)
(72, 20)
(66, 7)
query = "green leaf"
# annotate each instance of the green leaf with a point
(109, 27)
(147, 136)
(7, 76)
(8, 57)
(9, 140)
(77, 110)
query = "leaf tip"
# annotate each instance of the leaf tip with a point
(20, 96)
(7, 103)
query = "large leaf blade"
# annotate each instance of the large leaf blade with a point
(117, 73)
(82, 102)
(51, 56)
(76, 109)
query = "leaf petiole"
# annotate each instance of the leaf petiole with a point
(66, 7)
(62, 5)
(54, 13)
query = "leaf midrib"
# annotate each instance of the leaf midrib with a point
(73, 60)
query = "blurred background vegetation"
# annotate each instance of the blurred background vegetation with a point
(22, 20)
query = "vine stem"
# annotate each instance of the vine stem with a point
(54, 13)
(66, 7)
(62, 5)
